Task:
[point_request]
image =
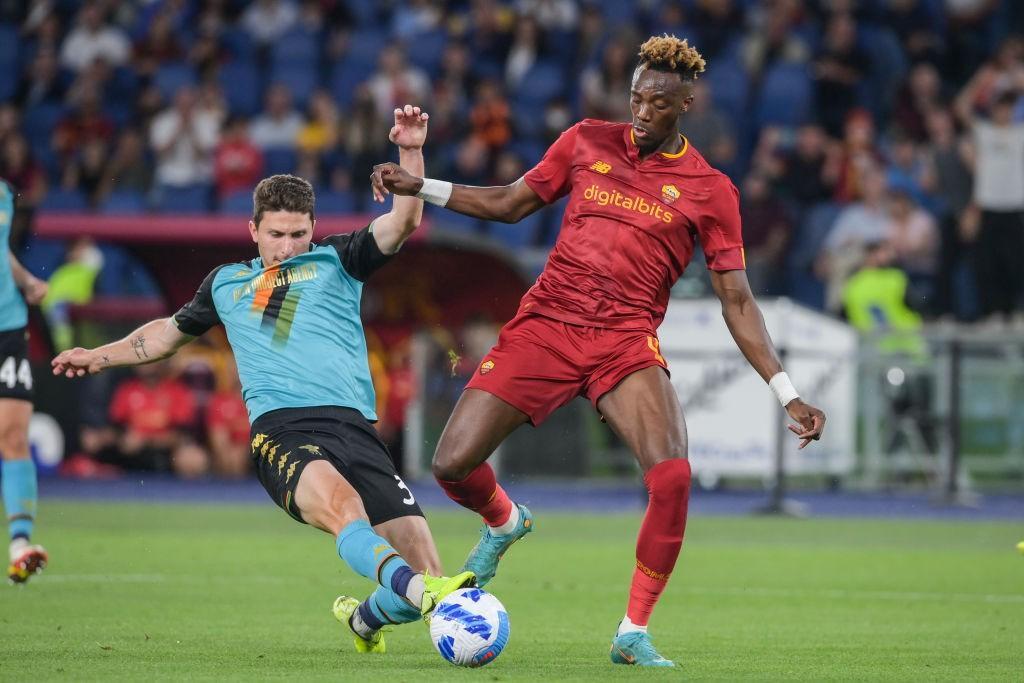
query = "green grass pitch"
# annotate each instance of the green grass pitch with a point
(175, 591)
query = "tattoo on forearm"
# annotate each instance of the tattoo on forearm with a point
(139, 346)
(106, 361)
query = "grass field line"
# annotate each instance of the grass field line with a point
(748, 592)
(842, 594)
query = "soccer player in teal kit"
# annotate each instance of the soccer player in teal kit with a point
(17, 472)
(292, 319)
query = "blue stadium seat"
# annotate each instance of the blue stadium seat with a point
(172, 77)
(9, 48)
(365, 46)
(238, 43)
(238, 203)
(729, 85)
(301, 81)
(518, 235)
(429, 48)
(39, 121)
(242, 87)
(335, 202)
(786, 96)
(279, 160)
(188, 199)
(345, 79)
(543, 82)
(123, 274)
(297, 47)
(8, 84)
(59, 199)
(123, 202)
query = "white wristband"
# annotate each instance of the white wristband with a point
(435, 191)
(783, 388)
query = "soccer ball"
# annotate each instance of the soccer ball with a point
(469, 627)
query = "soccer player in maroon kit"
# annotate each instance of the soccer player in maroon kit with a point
(639, 199)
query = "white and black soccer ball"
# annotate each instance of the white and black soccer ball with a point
(470, 627)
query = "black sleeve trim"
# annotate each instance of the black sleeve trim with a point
(359, 253)
(200, 314)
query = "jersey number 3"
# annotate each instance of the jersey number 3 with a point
(12, 372)
(401, 484)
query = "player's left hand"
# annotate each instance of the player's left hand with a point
(410, 129)
(810, 421)
(34, 290)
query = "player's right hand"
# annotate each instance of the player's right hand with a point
(77, 362)
(391, 177)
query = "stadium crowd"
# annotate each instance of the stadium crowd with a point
(876, 143)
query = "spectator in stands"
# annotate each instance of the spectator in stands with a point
(86, 171)
(602, 85)
(237, 162)
(319, 133)
(366, 138)
(471, 165)
(918, 25)
(92, 82)
(210, 100)
(456, 79)
(952, 186)
(772, 39)
(158, 46)
(861, 223)
(525, 51)
(268, 20)
(508, 168)
(10, 121)
(42, 29)
(128, 168)
(92, 38)
(490, 116)
(551, 15)
(183, 139)
(998, 154)
(417, 17)
(24, 174)
(395, 81)
(709, 130)
(156, 415)
(227, 428)
(488, 34)
(278, 126)
(71, 283)
(919, 96)
(767, 228)
(804, 173)
(84, 124)
(716, 22)
(908, 168)
(857, 155)
(912, 234)
(839, 68)
(42, 82)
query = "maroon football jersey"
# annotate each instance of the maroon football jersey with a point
(629, 228)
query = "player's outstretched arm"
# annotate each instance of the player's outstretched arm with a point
(746, 324)
(409, 133)
(505, 203)
(153, 341)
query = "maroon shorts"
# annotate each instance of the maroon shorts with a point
(539, 364)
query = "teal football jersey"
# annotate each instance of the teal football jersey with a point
(13, 312)
(295, 327)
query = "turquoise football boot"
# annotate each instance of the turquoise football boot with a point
(636, 648)
(483, 558)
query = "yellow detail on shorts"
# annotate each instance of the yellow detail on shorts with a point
(271, 454)
(258, 440)
(653, 345)
(266, 445)
(281, 463)
(291, 471)
(315, 450)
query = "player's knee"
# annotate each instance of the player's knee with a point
(447, 468)
(669, 479)
(13, 443)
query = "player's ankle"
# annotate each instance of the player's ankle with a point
(509, 525)
(627, 626)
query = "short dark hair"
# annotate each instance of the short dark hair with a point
(282, 192)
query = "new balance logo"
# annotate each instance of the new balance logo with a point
(600, 167)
